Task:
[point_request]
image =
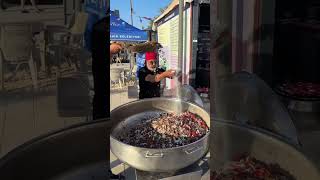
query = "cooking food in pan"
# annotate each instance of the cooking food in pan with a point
(301, 89)
(166, 131)
(249, 168)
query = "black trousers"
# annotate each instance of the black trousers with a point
(101, 101)
(100, 70)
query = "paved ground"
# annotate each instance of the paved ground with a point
(119, 97)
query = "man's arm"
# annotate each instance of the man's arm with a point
(114, 49)
(159, 77)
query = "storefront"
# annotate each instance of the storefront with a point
(195, 63)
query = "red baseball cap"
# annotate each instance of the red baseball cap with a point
(151, 56)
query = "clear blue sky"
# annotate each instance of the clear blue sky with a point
(144, 8)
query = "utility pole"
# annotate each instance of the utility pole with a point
(131, 10)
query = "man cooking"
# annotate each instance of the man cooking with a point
(150, 76)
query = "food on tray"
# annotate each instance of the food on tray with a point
(145, 47)
(166, 131)
(248, 168)
(301, 89)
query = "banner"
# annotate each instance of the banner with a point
(168, 37)
(122, 31)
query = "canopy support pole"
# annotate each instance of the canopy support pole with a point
(180, 40)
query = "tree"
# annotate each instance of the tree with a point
(161, 10)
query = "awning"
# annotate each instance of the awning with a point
(122, 31)
(172, 5)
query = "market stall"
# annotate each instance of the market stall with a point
(194, 62)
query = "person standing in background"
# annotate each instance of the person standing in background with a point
(100, 69)
(140, 61)
(101, 73)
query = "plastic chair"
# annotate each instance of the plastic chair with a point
(16, 47)
(72, 35)
(70, 38)
(115, 76)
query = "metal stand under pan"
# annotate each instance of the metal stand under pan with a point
(193, 172)
(304, 106)
(301, 105)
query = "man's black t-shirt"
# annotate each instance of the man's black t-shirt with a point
(148, 89)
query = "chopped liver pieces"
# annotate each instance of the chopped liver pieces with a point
(166, 131)
(248, 168)
(301, 89)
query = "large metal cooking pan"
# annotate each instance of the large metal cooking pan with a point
(79, 152)
(189, 94)
(229, 140)
(281, 92)
(156, 160)
(244, 97)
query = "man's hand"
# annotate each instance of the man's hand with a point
(115, 48)
(157, 78)
(169, 73)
